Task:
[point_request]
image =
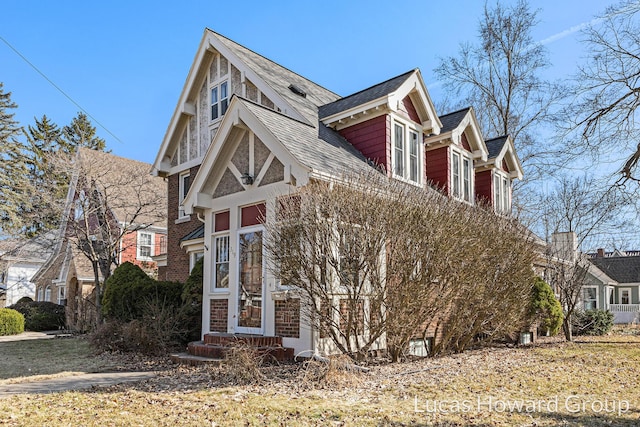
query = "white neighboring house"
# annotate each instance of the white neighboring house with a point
(19, 262)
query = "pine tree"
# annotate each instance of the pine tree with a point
(13, 169)
(81, 133)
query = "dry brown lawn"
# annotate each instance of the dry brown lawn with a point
(592, 382)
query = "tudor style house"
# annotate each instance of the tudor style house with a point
(247, 130)
(115, 204)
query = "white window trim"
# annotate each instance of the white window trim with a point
(501, 192)
(597, 296)
(214, 261)
(139, 245)
(182, 194)
(620, 295)
(216, 84)
(462, 156)
(47, 293)
(62, 294)
(408, 128)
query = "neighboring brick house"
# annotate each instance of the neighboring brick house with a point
(132, 205)
(246, 130)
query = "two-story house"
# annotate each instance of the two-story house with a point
(114, 205)
(247, 130)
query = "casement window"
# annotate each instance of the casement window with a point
(47, 294)
(406, 153)
(220, 262)
(145, 246)
(219, 100)
(590, 297)
(461, 176)
(501, 192)
(185, 184)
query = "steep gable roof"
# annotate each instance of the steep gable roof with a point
(280, 79)
(621, 269)
(133, 194)
(495, 146)
(319, 147)
(366, 95)
(452, 120)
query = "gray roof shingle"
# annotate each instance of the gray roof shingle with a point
(451, 121)
(198, 233)
(320, 148)
(495, 145)
(280, 78)
(374, 92)
(624, 269)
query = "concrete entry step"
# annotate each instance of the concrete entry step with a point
(190, 359)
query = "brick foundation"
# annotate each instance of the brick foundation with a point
(219, 313)
(287, 318)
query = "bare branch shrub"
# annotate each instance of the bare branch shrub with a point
(375, 259)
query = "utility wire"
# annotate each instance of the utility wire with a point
(59, 89)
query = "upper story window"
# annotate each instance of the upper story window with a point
(406, 153)
(461, 176)
(185, 184)
(219, 99)
(501, 192)
(145, 246)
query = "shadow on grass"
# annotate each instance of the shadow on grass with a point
(629, 418)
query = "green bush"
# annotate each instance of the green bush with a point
(41, 315)
(192, 301)
(130, 290)
(592, 322)
(545, 307)
(11, 322)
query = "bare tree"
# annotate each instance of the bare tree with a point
(607, 88)
(578, 213)
(108, 200)
(499, 76)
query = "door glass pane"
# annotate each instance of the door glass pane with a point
(250, 284)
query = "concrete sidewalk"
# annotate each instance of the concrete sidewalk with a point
(74, 382)
(27, 336)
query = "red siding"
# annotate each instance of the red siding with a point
(484, 187)
(438, 168)
(410, 109)
(465, 142)
(372, 138)
(504, 166)
(252, 215)
(222, 221)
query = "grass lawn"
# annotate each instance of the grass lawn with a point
(590, 383)
(20, 359)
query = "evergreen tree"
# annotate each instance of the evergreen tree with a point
(13, 191)
(81, 133)
(49, 181)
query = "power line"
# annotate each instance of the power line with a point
(59, 89)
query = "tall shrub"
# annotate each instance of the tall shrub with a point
(41, 315)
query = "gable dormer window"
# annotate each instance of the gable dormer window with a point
(219, 100)
(501, 192)
(406, 153)
(461, 176)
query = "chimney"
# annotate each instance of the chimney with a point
(600, 253)
(565, 245)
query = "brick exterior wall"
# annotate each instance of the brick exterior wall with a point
(287, 318)
(357, 317)
(177, 259)
(218, 317)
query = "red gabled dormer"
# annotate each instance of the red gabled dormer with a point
(452, 155)
(495, 176)
(387, 123)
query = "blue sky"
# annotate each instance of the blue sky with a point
(125, 62)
